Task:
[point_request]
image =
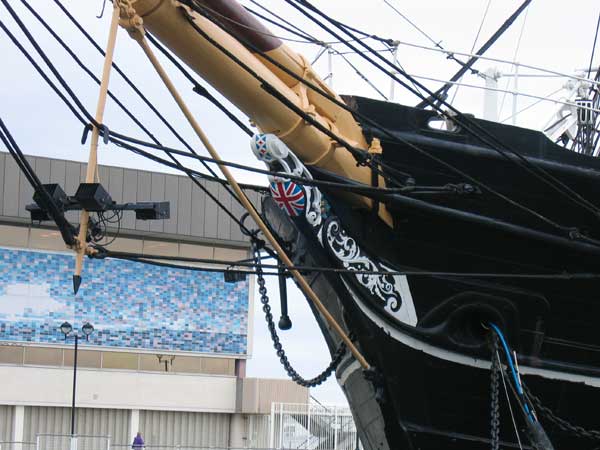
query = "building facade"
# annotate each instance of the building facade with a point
(168, 352)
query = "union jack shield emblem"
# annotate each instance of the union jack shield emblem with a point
(289, 196)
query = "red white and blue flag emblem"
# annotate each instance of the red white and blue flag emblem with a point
(260, 140)
(289, 196)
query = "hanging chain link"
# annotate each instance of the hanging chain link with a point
(264, 299)
(495, 395)
(562, 424)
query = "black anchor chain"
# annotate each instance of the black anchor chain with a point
(264, 299)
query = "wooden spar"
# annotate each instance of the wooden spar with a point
(242, 25)
(166, 20)
(137, 32)
(92, 166)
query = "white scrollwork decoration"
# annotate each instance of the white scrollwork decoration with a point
(392, 291)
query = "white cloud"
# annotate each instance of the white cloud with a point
(24, 301)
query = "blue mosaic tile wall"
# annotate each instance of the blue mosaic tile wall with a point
(131, 305)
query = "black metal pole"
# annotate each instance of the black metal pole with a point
(284, 321)
(74, 385)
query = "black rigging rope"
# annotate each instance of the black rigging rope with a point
(472, 127)
(300, 34)
(89, 117)
(121, 143)
(67, 231)
(362, 157)
(265, 85)
(132, 85)
(350, 186)
(104, 253)
(78, 61)
(290, 25)
(127, 146)
(41, 72)
(312, 41)
(594, 47)
(71, 107)
(198, 88)
(125, 77)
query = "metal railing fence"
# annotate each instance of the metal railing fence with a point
(307, 426)
(17, 445)
(68, 442)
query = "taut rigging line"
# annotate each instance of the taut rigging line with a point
(362, 189)
(103, 253)
(67, 231)
(112, 133)
(109, 134)
(569, 231)
(460, 119)
(129, 114)
(313, 41)
(365, 190)
(133, 86)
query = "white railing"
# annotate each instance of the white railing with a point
(290, 426)
(188, 447)
(68, 442)
(17, 445)
(309, 426)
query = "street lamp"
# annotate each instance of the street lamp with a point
(67, 330)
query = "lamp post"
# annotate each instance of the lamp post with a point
(67, 330)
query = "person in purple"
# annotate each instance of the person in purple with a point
(138, 442)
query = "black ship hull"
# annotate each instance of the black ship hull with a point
(426, 334)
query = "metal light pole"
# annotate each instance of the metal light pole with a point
(67, 329)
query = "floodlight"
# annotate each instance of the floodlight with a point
(87, 329)
(93, 197)
(152, 210)
(66, 328)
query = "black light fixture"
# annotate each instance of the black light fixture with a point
(39, 210)
(87, 329)
(37, 213)
(152, 210)
(234, 276)
(55, 192)
(66, 329)
(93, 197)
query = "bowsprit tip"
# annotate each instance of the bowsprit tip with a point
(76, 283)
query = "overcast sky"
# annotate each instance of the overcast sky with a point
(555, 34)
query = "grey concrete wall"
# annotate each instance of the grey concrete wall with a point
(194, 215)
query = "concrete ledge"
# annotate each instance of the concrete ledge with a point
(117, 389)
